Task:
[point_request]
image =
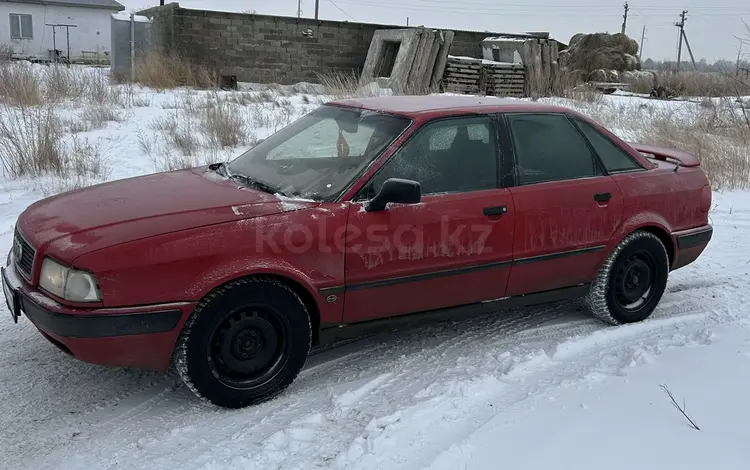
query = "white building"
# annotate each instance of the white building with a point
(35, 28)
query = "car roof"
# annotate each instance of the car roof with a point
(412, 105)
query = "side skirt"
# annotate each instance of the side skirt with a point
(333, 334)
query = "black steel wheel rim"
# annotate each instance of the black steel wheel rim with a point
(249, 347)
(635, 280)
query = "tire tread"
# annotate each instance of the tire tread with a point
(596, 300)
(179, 358)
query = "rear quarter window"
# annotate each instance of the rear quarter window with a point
(612, 156)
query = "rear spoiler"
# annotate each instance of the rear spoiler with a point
(664, 154)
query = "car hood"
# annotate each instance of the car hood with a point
(73, 223)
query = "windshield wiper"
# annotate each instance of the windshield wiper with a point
(246, 180)
(256, 184)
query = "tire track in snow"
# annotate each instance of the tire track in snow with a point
(433, 353)
(453, 418)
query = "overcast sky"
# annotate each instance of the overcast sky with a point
(710, 25)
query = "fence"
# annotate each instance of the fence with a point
(131, 38)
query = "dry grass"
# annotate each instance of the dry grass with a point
(98, 115)
(689, 83)
(5, 53)
(33, 145)
(168, 71)
(222, 125)
(31, 141)
(23, 84)
(34, 141)
(201, 127)
(19, 85)
(346, 85)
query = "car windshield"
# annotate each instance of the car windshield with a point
(317, 156)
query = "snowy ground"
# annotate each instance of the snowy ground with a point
(539, 388)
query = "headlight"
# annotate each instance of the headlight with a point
(67, 283)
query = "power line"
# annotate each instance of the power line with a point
(339, 9)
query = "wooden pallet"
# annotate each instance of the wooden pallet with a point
(474, 76)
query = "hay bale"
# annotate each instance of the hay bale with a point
(631, 62)
(599, 75)
(603, 51)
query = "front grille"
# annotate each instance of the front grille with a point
(23, 254)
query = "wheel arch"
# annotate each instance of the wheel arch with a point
(296, 285)
(649, 222)
(307, 298)
(663, 235)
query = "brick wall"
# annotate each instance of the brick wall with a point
(260, 48)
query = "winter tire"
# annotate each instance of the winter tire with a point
(631, 282)
(245, 343)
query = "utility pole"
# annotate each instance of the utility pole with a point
(681, 25)
(640, 49)
(299, 8)
(317, 8)
(625, 17)
(407, 24)
(690, 51)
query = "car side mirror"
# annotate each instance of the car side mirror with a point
(396, 190)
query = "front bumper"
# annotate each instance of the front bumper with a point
(142, 336)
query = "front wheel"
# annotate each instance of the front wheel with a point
(631, 281)
(245, 343)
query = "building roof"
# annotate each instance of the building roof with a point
(101, 4)
(412, 105)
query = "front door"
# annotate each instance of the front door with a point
(453, 248)
(566, 208)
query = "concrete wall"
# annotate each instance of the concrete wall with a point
(260, 48)
(92, 33)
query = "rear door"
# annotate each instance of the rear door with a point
(453, 248)
(566, 207)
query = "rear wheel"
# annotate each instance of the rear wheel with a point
(245, 343)
(631, 282)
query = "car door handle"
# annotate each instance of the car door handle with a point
(496, 210)
(602, 197)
